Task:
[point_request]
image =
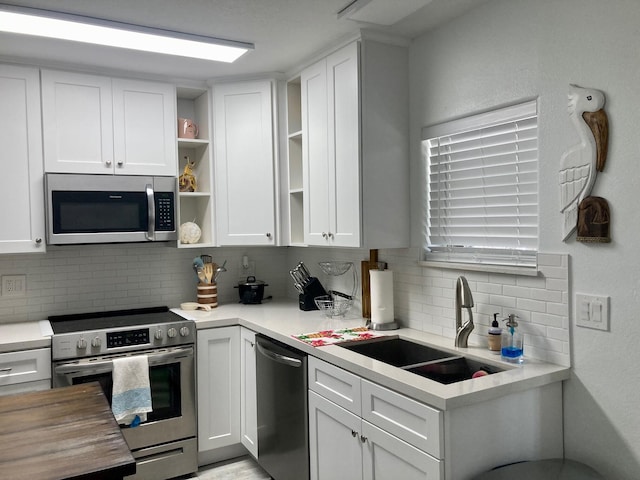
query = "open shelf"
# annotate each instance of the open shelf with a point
(197, 206)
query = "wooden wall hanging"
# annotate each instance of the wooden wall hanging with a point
(579, 167)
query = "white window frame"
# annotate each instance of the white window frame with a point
(485, 166)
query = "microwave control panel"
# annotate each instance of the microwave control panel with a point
(165, 211)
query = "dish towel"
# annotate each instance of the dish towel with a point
(131, 394)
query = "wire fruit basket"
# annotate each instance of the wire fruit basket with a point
(333, 305)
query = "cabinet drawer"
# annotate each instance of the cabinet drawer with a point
(335, 384)
(386, 456)
(25, 366)
(407, 419)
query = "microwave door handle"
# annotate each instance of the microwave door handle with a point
(151, 211)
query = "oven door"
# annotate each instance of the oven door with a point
(171, 375)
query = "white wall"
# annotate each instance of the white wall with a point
(509, 50)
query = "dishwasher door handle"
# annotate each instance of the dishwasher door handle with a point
(290, 361)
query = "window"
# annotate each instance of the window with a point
(482, 188)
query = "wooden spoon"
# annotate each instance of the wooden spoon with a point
(208, 271)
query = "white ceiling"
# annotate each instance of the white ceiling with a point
(285, 33)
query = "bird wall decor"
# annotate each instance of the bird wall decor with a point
(580, 164)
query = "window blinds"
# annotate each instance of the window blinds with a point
(482, 188)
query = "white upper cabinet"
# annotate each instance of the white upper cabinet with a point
(21, 184)
(77, 117)
(244, 163)
(93, 124)
(355, 148)
(144, 126)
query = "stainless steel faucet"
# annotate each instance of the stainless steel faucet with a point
(464, 299)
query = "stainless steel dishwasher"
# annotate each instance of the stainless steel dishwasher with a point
(283, 432)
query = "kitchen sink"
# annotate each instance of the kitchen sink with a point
(397, 352)
(452, 370)
(438, 365)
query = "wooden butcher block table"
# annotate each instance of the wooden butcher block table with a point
(63, 433)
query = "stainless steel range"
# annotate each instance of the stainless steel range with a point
(83, 347)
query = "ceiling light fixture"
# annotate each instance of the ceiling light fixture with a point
(45, 23)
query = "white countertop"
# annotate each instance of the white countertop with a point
(281, 320)
(25, 336)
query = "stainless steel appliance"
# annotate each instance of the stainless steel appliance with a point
(283, 439)
(83, 347)
(109, 208)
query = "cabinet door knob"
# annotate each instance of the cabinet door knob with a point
(120, 163)
(363, 438)
(38, 241)
(268, 235)
(108, 163)
(324, 235)
(330, 235)
(354, 433)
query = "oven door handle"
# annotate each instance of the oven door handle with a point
(107, 365)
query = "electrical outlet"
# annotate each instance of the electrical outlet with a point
(250, 271)
(14, 285)
(592, 311)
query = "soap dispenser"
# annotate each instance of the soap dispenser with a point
(512, 341)
(495, 333)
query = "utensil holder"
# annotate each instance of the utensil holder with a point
(208, 294)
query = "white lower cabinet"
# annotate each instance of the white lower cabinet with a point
(248, 397)
(218, 380)
(334, 443)
(371, 432)
(345, 444)
(25, 371)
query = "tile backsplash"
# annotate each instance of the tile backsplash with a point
(73, 279)
(106, 277)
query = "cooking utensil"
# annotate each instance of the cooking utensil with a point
(201, 276)
(305, 271)
(296, 283)
(206, 258)
(219, 270)
(208, 271)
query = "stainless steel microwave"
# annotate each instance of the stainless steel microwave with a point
(109, 208)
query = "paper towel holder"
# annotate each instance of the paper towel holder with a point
(388, 324)
(384, 326)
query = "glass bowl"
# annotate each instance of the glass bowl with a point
(335, 268)
(333, 306)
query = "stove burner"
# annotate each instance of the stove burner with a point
(80, 322)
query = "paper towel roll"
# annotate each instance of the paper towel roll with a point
(381, 296)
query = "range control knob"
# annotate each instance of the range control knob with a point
(158, 335)
(172, 332)
(82, 343)
(96, 342)
(184, 332)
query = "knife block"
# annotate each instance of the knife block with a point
(312, 289)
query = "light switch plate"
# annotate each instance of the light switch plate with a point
(592, 311)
